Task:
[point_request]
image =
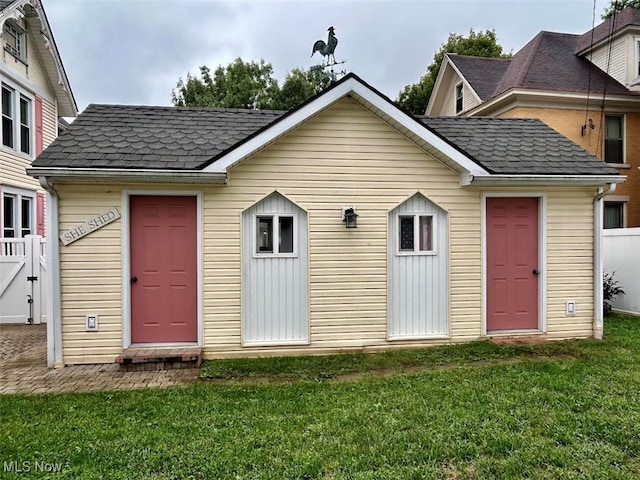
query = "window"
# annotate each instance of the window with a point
(15, 40)
(613, 214)
(17, 125)
(275, 235)
(416, 234)
(459, 98)
(613, 139)
(638, 58)
(17, 215)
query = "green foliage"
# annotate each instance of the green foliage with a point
(610, 288)
(247, 85)
(618, 5)
(415, 97)
(300, 85)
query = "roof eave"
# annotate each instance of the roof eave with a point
(540, 180)
(370, 99)
(129, 175)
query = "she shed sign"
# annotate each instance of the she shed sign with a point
(95, 223)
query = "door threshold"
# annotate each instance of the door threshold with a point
(164, 345)
(507, 333)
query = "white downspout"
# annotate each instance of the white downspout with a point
(598, 322)
(54, 318)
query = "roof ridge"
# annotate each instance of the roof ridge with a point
(181, 108)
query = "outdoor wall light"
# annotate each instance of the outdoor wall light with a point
(350, 217)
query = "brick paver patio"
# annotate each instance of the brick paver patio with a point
(23, 368)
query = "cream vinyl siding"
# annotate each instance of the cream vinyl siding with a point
(344, 156)
(91, 276)
(617, 66)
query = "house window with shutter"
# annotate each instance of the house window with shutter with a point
(614, 138)
(18, 120)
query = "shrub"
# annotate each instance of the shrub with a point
(611, 288)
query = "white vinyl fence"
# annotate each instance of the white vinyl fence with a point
(23, 272)
(621, 249)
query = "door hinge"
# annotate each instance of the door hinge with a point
(32, 279)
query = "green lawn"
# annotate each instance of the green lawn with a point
(563, 410)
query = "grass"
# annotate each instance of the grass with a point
(575, 414)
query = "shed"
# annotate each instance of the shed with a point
(225, 229)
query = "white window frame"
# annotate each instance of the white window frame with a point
(18, 195)
(460, 88)
(16, 95)
(623, 133)
(14, 30)
(275, 235)
(416, 234)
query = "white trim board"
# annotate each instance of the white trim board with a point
(126, 255)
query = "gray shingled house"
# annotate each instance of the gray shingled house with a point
(345, 224)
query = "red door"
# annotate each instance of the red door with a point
(163, 269)
(512, 263)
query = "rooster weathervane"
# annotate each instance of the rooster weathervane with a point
(327, 50)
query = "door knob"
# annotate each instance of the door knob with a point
(536, 271)
(134, 279)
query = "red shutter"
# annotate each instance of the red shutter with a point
(40, 214)
(39, 138)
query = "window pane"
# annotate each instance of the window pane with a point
(6, 102)
(613, 215)
(24, 111)
(459, 98)
(25, 143)
(426, 234)
(406, 233)
(8, 216)
(7, 117)
(264, 240)
(286, 234)
(25, 214)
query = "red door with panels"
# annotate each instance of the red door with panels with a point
(164, 298)
(512, 263)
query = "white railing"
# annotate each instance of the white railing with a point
(12, 247)
(621, 249)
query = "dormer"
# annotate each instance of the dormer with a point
(614, 47)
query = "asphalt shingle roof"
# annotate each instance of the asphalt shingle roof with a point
(628, 16)
(530, 68)
(516, 146)
(481, 72)
(129, 136)
(140, 137)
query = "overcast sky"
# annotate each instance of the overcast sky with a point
(134, 51)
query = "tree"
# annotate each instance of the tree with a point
(415, 97)
(247, 85)
(238, 85)
(618, 5)
(300, 85)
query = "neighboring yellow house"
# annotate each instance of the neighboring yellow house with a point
(587, 87)
(342, 225)
(34, 93)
